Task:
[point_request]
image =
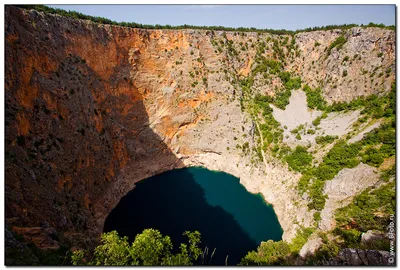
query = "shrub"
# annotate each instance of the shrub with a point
(362, 209)
(344, 73)
(351, 237)
(276, 253)
(328, 250)
(338, 43)
(150, 248)
(316, 121)
(314, 98)
(299, 159)
(268, 253)
(300, 239)
(342, 155)
(77, 15)
(296, 130)
(385, 134)
(284, 76)
(317, 216)
(372, 157)
(304, 181)
(268, 65)
(325, 139)
(281, 99)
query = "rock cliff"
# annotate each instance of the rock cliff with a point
(91, 109)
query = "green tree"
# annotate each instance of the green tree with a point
(268, 253)
(149, 248)
(299, 159)
(114, 250)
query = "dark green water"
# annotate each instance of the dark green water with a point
(228, 217)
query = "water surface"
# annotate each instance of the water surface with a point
(228, 217)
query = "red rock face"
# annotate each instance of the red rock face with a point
(74, 122)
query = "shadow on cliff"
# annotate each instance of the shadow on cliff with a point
(174, 203)
(77, 141)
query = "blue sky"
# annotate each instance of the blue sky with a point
(290, 17)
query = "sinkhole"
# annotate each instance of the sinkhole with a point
(229, 218)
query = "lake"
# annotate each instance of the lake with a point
(229, 218)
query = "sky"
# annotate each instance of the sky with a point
(289, 17)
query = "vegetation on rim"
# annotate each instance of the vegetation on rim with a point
(102, 20)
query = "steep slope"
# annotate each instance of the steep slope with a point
(91, 109)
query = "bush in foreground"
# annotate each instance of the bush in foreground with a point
(150, 248)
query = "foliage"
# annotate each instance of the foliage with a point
(385, 136)
(317, 216)
(267, 65)
(77, 15)
(374, 106)
(299, 159)
(328, 249)
(270, 128)
(369, 210)
(351, 237)
(300, 239)
(282, 97)
(388, 173)
(325, 139)
(317, 197)
(338, 43)
(317, 121)
(314, 98)
(376, 145)
(268, 253)
(372, 157)
(149, 248)
(277, 253)
(304, 181)
(342, 155)
(381, 25)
